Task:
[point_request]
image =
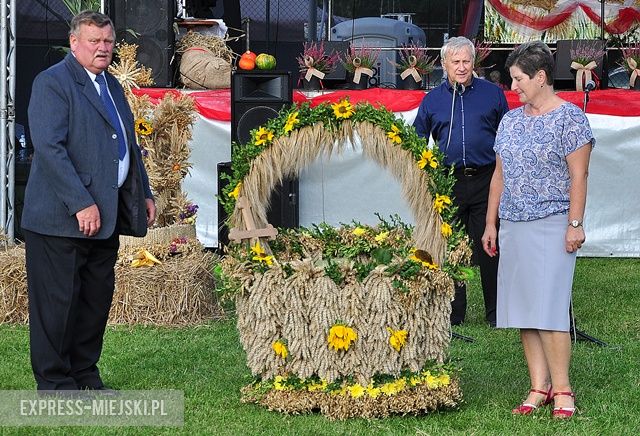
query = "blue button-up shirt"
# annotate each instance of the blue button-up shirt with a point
(476, 115)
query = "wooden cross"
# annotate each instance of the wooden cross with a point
(251, 232)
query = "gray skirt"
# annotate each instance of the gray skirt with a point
(535, 275)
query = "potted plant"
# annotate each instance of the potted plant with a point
(584, 58)
(413, 65)
(315, 63)
(631, 62)
(359, 61)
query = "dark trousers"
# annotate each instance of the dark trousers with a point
(71, 283)
(471, 194)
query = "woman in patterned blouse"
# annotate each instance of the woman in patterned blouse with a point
(538, 191)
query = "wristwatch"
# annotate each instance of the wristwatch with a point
(575, 223)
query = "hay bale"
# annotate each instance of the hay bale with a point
(179, 292)
(158, 236)
(13, 286)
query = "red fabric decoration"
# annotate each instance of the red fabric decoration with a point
(393, 99)
(216, 104)
(155, 94)
(627, 16)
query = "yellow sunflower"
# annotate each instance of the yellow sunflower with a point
(340, 337)
(260, 254)
(236, 191)
(263, 136)
(292, 120)
(397, 338)
(446, 230)
(394, 134)
(441, 202)
(423, 258)
(343, 109)
(280, 348)
(427, 158)
(143, 127)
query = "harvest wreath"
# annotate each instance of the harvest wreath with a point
(361, 311)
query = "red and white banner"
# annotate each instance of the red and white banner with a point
(514, 21)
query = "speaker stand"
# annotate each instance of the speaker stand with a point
(578, 335)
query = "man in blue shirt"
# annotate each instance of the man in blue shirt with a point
(462, 116)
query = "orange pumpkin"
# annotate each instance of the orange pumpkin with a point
(246, 63)
(249, 54)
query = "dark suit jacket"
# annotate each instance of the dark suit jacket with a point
(75, 162)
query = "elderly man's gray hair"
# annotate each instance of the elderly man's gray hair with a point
(455, 44)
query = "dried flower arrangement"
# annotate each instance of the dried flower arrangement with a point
(315, 61)
(415, 62)
(360, 60)
(585, 52)
(631, 62)
(585, 57)
(360, 56)
(483, 50)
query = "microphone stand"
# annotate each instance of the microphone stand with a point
(586, 99)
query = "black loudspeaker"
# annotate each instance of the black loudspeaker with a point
(563, 75)
(256, 97)
(149, 24)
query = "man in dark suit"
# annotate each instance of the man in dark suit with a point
(87, 186)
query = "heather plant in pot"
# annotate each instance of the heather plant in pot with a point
(631, 62)
(584, 59)
(315, 63)
(413, 64)
(359, 61)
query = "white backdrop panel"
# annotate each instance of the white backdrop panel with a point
(348, 186)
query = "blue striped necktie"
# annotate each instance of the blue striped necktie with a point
(113, 115)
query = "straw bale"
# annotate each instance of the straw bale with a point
(178, 292)
(13, 286)
(159, 236)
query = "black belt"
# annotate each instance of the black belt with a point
(470, 171)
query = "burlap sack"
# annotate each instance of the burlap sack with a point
(201, 69)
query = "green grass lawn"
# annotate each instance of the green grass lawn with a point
(207, 363)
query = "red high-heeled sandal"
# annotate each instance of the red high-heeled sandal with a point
(564, 412)
(528, 408)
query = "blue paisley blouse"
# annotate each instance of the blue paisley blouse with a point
(533, 150)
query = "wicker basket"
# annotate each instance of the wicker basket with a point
(159, 236)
